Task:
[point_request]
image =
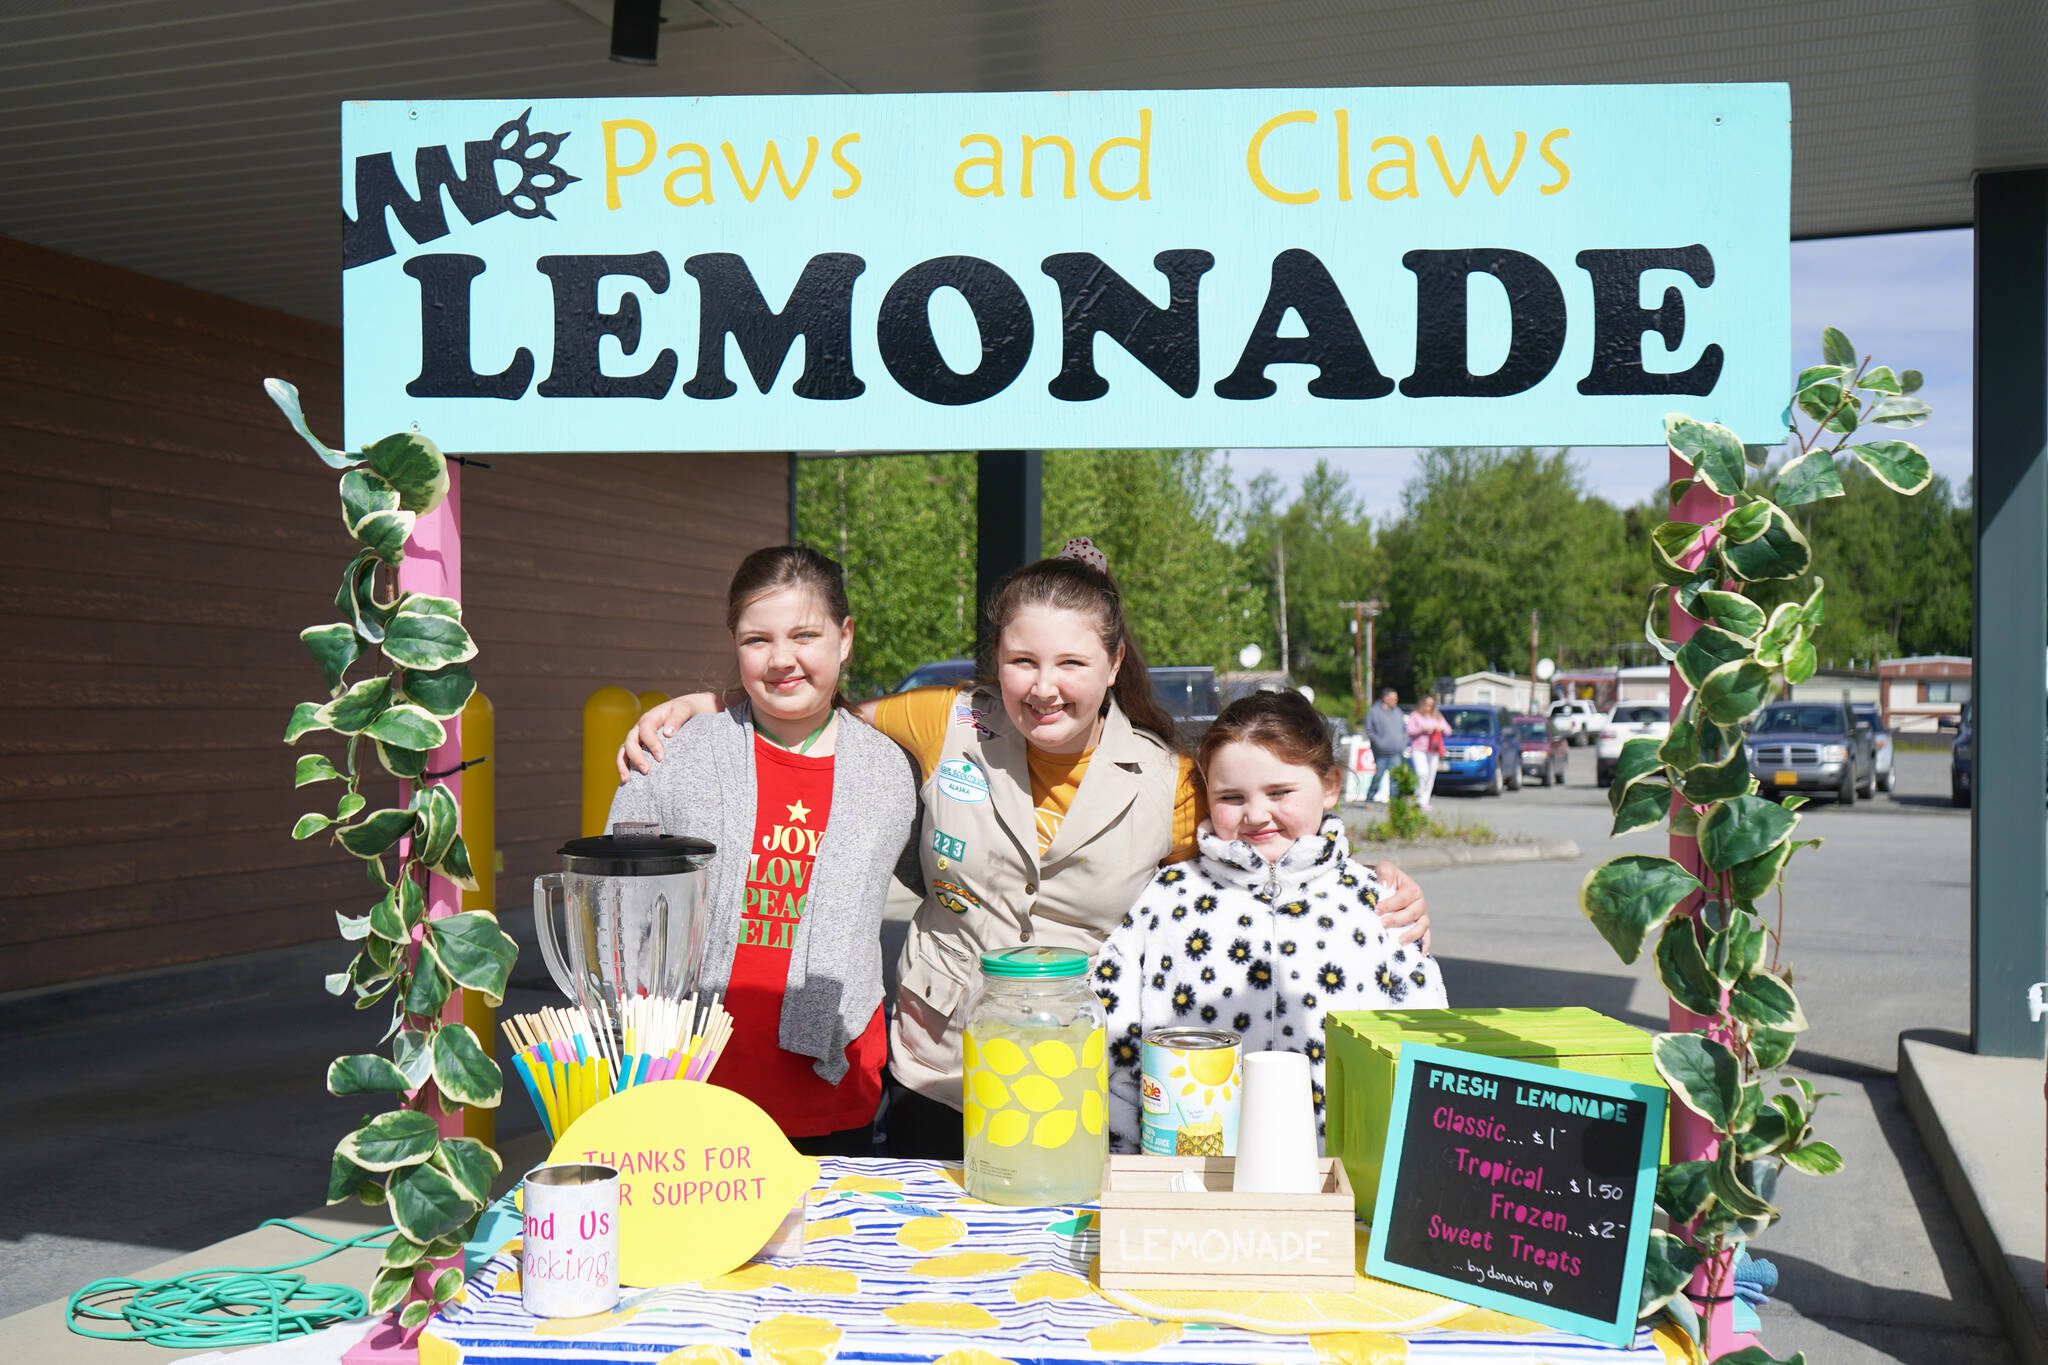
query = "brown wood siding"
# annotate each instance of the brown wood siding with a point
(163, 539)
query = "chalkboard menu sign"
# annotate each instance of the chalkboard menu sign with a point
(1521, 1188)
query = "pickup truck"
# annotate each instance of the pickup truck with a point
(1578, 721)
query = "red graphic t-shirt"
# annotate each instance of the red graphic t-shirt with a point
(794, 800)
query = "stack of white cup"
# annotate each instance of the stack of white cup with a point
(1276, 1127)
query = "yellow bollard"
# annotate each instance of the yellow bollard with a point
(650, 700)
(607, 717)
(480, 836)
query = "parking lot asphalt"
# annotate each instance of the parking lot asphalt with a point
(133, 1137)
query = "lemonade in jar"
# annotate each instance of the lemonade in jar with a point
(1036, 1080)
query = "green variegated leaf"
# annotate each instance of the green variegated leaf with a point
(470, 1164)
(427, 604)
(1668, 543)
(1735, 691)
(310, 824)
(1820, 374)
(1625, 897)
(1764, 1136)
(1730, 1191)
(1707, 782)
(286, 396)
(1781, 551)
(364, 492)
(384, 534)
(1653, 623)
(333, 647)
(447, 1284)
(1711, 449)
(429, 988)
(1753, 880)
(440, 821)
(1708, 649)
(1679, 488)
(415, 1314)
(415, 467)
(413, 1055)
(352, 711)
(1900, 413)
(1640, 805)
(441, 693)
(454, 865)
(1836, 349)
(1681, 747)
(1910, 381)
(1735, 950)
(1683, 969)
(408, 727)
(313, 768)
(386, 922)
(344, 1178)
(1772, 1047)
(1683, 1191)
(426, 639)
(336, 983)
(1702, 1074)
(1800, 662)
(364, 1074)
(1766, 1002)
(1730, 611)
(1826, 403)
(1742, 828)
(357, 596)
(1685, 822)
(403, 1137)
(1899, 465)
(406, 763)
(412, 902)
(462, 1070)
(1810, 478)
(403, 1251)
(346, 808)
(372, 836)
(305, 717)
(388, 1290)
(1815, 1158)
(474, 951)
(1667, 1269)
(1813, 611)
(426, 1204)
(1881, 380)
(1637, 760)
(354, 928)
(1746, 522)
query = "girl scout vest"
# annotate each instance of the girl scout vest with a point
(987, 885)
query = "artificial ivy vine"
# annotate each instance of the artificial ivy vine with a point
(1723, 961)
(417, 654)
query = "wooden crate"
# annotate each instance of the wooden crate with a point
(1154, 1237)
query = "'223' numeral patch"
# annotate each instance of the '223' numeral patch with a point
(947, 845)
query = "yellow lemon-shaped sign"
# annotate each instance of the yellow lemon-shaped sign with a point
(705, 1177)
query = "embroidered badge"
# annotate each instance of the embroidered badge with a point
(967, 717)
(960, 779)
(958, 899)
(947, 845)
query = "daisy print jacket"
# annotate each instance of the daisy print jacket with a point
(1228, 940)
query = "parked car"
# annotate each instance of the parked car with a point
(1813, 746)
(942, 673)
(1188, 692)
(1577, 720)
(1546, 753)
(1482, 751)
(1961, 769)
(1631, 720)
(1869, 713)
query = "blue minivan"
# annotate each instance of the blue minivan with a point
(1482, 752)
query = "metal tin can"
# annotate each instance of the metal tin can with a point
(1189, 1085)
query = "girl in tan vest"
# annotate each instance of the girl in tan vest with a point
(1051, 794)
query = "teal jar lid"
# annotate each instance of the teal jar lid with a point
(1040, 964)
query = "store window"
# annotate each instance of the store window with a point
(1949, 689)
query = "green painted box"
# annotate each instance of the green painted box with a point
(1363, 1047)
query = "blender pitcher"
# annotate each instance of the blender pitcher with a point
(624, 918)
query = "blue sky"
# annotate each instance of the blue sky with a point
(1902, 298)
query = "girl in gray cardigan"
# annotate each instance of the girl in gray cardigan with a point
(809, 808)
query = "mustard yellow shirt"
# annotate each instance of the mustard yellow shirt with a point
(917, 720)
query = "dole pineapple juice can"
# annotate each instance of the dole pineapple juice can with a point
(1189, 1089)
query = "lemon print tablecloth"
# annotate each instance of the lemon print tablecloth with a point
(900, 1266)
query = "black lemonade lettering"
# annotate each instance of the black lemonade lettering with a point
(911, 352)
(1094, 298)
(580, 326)
(1442, 341)
(1522, 1188)
(1620, 322)
(1302, 284)
(820, 310)
(445, 368)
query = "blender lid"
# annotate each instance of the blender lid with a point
(636, 855)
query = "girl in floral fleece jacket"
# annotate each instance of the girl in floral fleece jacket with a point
(1271, 926)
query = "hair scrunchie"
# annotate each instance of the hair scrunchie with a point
(1083, 550)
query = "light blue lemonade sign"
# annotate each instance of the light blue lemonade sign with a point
(1556, 265)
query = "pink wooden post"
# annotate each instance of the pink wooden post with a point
(432, 564)
(1692, 1137)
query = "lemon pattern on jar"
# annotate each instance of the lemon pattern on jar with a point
(1038, 1091)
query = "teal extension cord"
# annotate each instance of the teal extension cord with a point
(227, 1306)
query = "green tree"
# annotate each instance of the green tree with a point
(1324, 539)
(1487, 536)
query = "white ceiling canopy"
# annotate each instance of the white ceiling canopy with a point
(199, 141)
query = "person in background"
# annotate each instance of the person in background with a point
(1271, 926)
(1386, 730)
(1426, 729)
(1051, 794)
(809, 808)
